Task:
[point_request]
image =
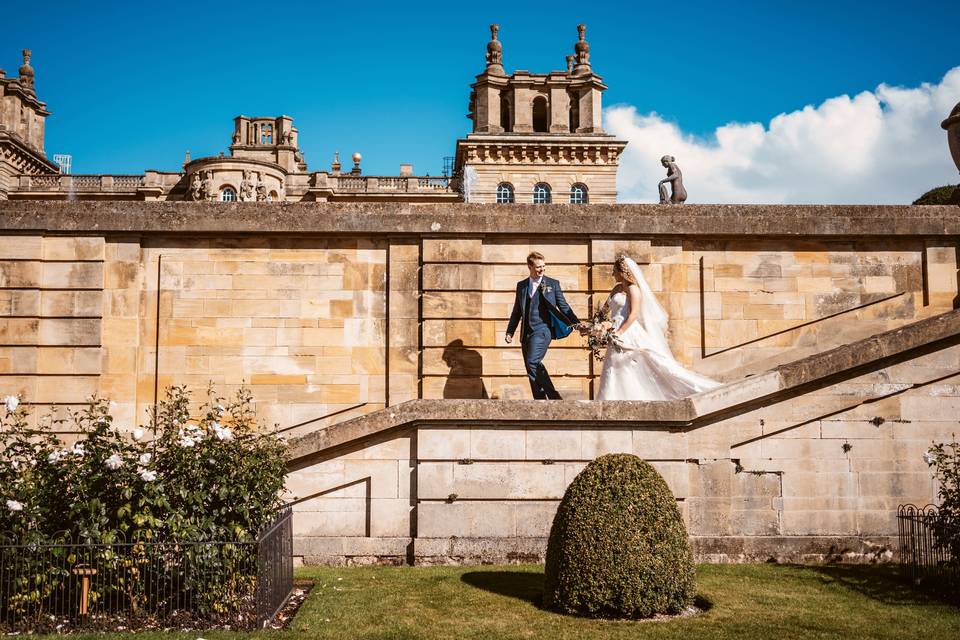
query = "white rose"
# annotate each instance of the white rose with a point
(224, 433)
(145, 458)
(220, 408)
(929, 458)
(12, 403)
(13, 505)
(186, 441)
(114, 462)
(148, 476)
(138, 434)
(55, 456)
(78, 449)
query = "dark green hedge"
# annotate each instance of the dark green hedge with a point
(940, 195)
(618, 546)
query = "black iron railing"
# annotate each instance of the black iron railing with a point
(274, 567)
(64, 583)
(926, 540)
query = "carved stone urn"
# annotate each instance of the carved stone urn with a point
(952, 126)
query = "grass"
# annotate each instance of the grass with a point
(745, 602)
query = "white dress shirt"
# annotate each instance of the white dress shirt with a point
(532, 288)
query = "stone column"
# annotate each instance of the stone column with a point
(522, 105)
(590, 112)
(559, 110)
(403, 321)
(488, 109)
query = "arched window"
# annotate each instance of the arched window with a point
(578, 194)
(541, 193)
(540, 119)
(504, 193)
(506, 122)
(574, 112)
(228, 194)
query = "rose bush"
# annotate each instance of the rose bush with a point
(944, 459)
(208, 475)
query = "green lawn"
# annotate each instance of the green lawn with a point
(745, 602)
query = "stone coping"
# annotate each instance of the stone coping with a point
(742, 395)
(395, 219)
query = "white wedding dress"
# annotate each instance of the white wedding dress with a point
(640, 365)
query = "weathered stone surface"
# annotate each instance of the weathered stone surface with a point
(398, 218)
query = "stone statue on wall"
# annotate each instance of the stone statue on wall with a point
(675, 177)
(246, 187)
(261, 189)
(196, 188)
(236, 137)
(206, 186)
(952, 126)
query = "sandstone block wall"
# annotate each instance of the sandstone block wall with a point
(332, 311)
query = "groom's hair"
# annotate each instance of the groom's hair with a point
(534, 255)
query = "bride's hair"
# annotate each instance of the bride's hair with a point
(621, 265)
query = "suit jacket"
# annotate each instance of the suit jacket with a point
(553, 308)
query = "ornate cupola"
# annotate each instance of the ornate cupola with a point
(538, 137)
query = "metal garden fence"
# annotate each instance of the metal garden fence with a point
(927, 543)
(64, 582)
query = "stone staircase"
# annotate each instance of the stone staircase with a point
(781, 382)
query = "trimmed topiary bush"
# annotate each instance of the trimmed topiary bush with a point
(618, 546)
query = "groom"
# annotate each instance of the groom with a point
(545, 315)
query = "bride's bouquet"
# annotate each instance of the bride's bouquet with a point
(600, 332)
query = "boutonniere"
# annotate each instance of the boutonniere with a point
(547, 289)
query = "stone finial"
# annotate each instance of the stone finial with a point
(26, 71)
(356, 164)
(335, 167)
(570, 60)
(582, 53)
(495, 53)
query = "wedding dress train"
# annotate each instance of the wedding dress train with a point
(640, 365)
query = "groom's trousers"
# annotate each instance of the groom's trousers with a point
(534, 346)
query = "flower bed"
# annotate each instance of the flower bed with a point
(153, 523)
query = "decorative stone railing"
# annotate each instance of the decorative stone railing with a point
(68, 183)
(389, 184)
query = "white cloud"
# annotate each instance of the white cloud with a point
(884, 146)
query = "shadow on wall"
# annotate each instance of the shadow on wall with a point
(465, 380)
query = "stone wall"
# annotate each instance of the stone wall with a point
(333, 311)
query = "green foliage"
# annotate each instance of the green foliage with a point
(210, 476)
(939, 195)
(944, 458)
(618, 546)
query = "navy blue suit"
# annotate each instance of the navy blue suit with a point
(541, 318)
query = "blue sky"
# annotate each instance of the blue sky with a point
(133, 88)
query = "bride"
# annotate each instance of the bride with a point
(638, 364)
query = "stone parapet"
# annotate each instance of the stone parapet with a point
(440, 220)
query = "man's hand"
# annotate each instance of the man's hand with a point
(508, 338)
